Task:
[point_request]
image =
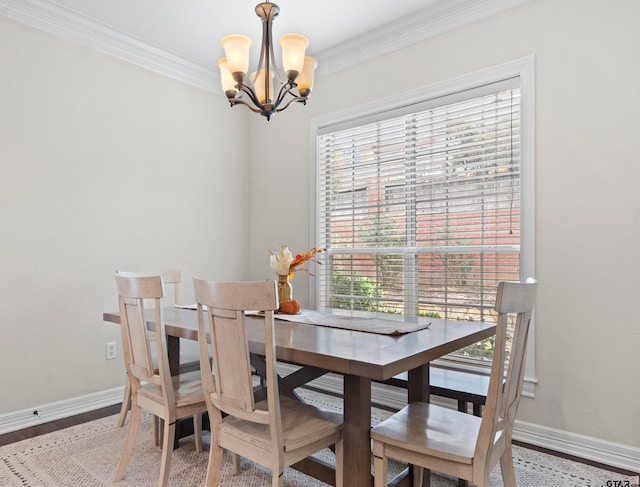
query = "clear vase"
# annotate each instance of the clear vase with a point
(285, 291)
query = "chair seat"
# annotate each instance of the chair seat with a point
(431, 430)
(187, 388)
(302, 424)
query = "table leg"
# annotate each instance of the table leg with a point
(357, 423)
(173, 353)
(418, 384)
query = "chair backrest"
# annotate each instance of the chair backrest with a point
(503, 395)
(134, 288)
(169, 277)
(173, 277)
(223, 321)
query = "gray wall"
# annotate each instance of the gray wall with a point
(103, 165)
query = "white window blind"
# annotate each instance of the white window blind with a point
(419, 208)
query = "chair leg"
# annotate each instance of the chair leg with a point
(197, 431)
(134, 423)
(235, 461)
(506, 466)
(477, 410)
(167, 451)
(463, 407)
(277, 478)
(126, 403)
(380, 465)
(215, 464)
(339, 452)
(155, 429)
(418, 476)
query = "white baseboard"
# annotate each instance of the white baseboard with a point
(602, 451)
(61, 409)
(589, 448)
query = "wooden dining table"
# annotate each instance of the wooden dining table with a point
(359, 356)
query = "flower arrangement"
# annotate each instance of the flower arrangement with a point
(285, 264)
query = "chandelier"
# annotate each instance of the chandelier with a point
(257, 92)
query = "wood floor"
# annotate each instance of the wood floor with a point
(59, 424)
(51, 426)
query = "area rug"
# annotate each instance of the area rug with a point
(87, 455)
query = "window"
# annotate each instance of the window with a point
(420, 206)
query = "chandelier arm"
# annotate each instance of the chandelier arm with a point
(262, 48)
(242, 101)
(300, 99)
(272, 57)
(252, 95)
(284, 90)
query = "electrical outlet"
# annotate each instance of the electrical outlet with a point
(111, 350)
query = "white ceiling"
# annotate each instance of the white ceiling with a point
(193, 28)
(181, 38)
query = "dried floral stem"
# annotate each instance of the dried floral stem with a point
(283, 262)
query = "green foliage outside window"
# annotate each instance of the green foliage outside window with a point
(345, 286)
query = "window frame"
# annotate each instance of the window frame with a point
(523, 69)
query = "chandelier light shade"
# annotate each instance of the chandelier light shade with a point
(268, 89)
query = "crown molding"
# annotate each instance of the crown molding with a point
(71, 25)
(432, 21)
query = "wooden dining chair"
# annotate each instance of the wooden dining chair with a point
(275, 433)
(452, 442)
(154, 389)
(171, 277)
